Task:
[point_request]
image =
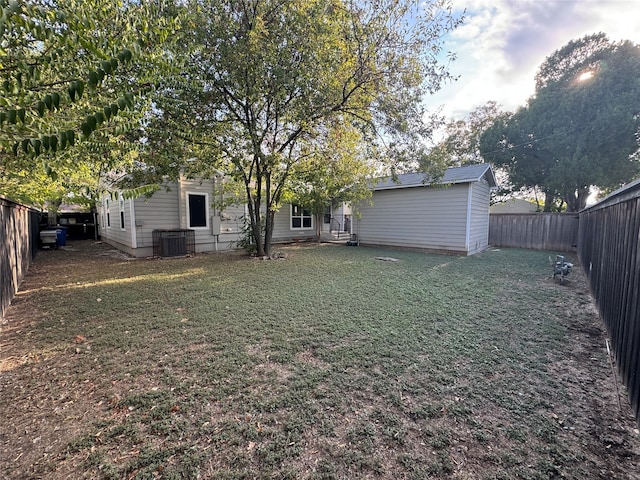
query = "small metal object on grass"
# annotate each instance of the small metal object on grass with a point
(387, 259)
(561, 268)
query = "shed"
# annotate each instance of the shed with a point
(449, 216)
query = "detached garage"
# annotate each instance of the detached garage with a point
(450, 216)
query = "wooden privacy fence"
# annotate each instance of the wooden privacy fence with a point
(609, 251)
(18, 247)
(541, 231)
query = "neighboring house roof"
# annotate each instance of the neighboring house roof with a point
(514, 205)
(468, 174)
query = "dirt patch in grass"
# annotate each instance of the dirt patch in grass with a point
(327, 365)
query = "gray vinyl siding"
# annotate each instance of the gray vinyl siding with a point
(159, 212)
(282, 231)
(416, 217)
(142, 216)
(230, 218)
(231, 225)
(479, 226)
(167, 209)
(114, 233)
(205, 241)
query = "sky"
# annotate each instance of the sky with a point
(502, 43)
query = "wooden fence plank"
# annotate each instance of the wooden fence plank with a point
(18, 246)
(609, 250)
(539, 231)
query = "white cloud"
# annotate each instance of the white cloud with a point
(502, 43)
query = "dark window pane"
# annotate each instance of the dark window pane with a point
(121, 219)
(296, 222)
(197, 211)
(306, 213)
(295, 210)
(306, 222)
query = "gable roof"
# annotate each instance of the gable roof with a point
(467, 174)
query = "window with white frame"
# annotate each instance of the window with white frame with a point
(121, 206)
(300, 217)
(197, 209)
(107, 212)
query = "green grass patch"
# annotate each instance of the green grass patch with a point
(329, 364)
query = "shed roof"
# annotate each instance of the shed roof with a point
(467, 174)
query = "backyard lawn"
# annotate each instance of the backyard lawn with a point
(326, 364)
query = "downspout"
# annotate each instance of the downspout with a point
(468, 228)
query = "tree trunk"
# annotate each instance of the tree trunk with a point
(255, 220)
(549, 201)
(52, 212)
(577, 199)
(319, 218)
(256, 224)
(268, 232)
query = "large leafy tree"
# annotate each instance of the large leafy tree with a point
(460, 144)
(579, 129)
(339, 170)
(274, 85)
(74, 79)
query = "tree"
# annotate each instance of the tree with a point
(272, 83)
(338, 171)
(461, 142)
(579, 129)
(74, 72)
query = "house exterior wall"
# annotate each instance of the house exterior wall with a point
(282, 231)
(168, 209)
(114, 209)
(418, 217)
(160, 212)
(204, 238)
(479, 217)
(412, 215)
(342, 217)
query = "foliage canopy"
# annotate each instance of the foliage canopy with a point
(579, 129)
(74, 78)
(277, 90)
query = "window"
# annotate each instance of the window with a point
(197, 206)
(121, 205)
(300, 217)
(327, 214)
(108, 213)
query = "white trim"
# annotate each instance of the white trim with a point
(134, 233)
(206, 212)
(302, 217)
(467, 240)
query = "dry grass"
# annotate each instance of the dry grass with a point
(329, 364)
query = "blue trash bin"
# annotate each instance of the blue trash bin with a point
(61, 236)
